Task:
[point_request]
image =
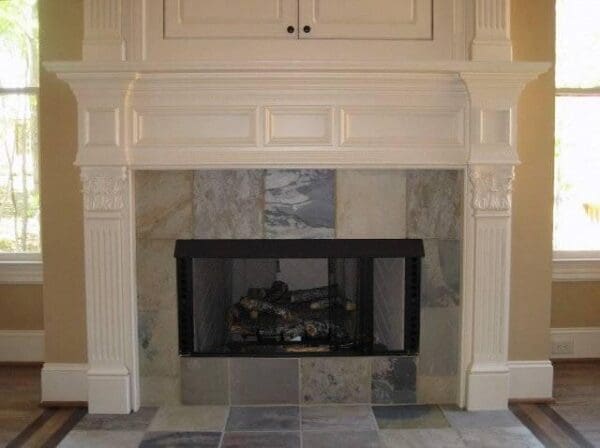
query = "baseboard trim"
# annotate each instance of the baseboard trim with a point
(21, 346)
(575, 343)
(64, 383)
(530, 380)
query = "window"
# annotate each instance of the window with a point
(19, 161)
(577, 156)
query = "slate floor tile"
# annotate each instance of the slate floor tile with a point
(272, 418)
(460, 419)
(345, 439)
(261, 440)
(410, 417)
(338, 418)
(189, 418)
(500, 438)
(181, 439)
(137, 421)
(102, 439)
(421, 438)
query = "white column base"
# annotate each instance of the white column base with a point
(488, 388)
(109, 391)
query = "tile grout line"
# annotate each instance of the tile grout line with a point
(222, 438)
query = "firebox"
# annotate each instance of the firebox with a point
(299, 297)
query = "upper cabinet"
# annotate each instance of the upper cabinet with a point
(360, 19)
(293, 19)
(274, 19)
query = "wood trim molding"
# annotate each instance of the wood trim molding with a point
(21, 272)
(575, 270)
(62, 382)
(531, 380)
(22, 346)
(575, 343)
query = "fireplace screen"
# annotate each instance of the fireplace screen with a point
(294, 297)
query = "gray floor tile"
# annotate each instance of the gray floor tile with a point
(338, 418)
(460, 419)
(421, 438)
(515, 437)
(345, 439)
(410, 417)
(273, 418)
(102, 439)
(137, 421)
(181, 439)
(189, 418)
(261, 440)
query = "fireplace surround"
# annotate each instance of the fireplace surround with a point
(375, 105)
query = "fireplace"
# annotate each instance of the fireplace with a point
(298, 297)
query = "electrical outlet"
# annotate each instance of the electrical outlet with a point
(563, 346)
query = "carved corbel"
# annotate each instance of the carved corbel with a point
(104, 188)
(492, 187)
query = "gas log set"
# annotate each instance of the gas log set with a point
(279, 316)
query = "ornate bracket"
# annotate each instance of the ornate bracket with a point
(492, 187)
(104, 188)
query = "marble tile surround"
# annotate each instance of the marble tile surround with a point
(271, 203)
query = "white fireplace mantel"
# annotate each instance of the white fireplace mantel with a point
(342, 114)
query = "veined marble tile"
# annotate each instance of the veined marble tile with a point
(156, 275)
(437, 389)
(299, 204)
(439, 342)
(336, 380)
(189, 418)
(434, 200)
(394, 380)
(158, 340)
(421, 438)
(205, 381)
(228, 204)
(160, 390)
(440, 283)
(338, 418)
(371, 204)
(500, 438)
(163, 204)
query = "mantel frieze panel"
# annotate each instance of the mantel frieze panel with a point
(492, 187)
(104, 189)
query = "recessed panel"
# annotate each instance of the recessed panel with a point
(195, 127)
(229, 19)
(374, 19)
(298, 126)
(393, 126)
(102, 127)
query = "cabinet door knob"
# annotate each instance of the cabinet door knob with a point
(291, 29)
(307, 29)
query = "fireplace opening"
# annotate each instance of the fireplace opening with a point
(298, 297)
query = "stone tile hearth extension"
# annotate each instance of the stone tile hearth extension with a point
(257, 418)
(338, 418)
(336, 380)
(266, 381)
(181, 439)
(410, 417)
(261, 440)
(189, 418)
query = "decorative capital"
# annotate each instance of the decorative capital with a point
(104, 188)
(492, 187)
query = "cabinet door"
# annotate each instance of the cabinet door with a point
(366, 19)
(223, 19)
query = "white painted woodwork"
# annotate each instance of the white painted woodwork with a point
(446, 38)
(492, 31)
(190, 99)
(210, 19)
(375, 19)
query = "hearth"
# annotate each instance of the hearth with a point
(298, 297)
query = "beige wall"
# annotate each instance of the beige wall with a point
(64, 310)
(533, 38)
(576, 304)
(21, 307)
(61, 25)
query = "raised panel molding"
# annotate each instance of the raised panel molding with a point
(298, 125)
(195, 126)
(101, 127)
(401, 126)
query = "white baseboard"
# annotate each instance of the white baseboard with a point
(530, 380)
(574, 343)
(64, 382)
(21, 346)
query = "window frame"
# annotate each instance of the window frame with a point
(22, 267)
(573, 266)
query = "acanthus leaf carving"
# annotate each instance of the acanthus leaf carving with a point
(492, 187)
(104, 189)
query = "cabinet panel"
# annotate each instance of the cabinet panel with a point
(230, 19)
(360, 19)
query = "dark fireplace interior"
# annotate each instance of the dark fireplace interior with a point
(298, 297)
